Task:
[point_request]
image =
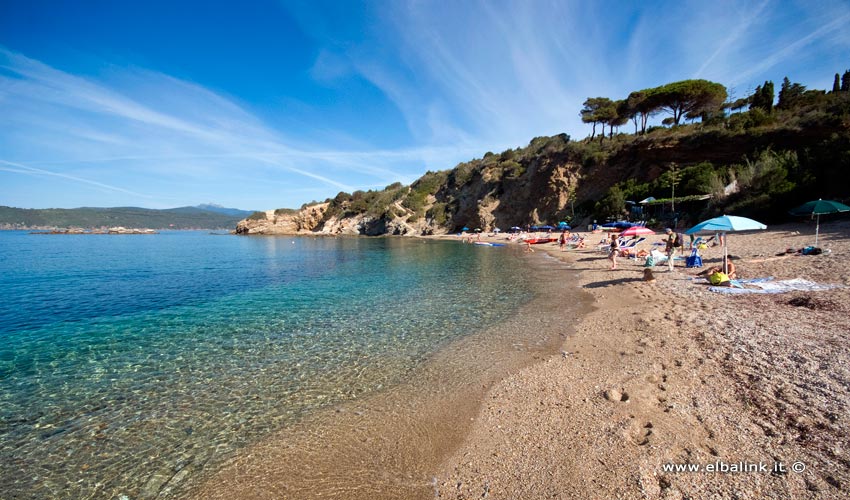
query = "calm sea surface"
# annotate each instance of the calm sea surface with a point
(128, 362)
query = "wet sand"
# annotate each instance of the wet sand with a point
(601, 399)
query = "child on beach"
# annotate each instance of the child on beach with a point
(612, 253)
(670, 247)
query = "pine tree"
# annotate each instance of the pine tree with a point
(767, 96)
(763, 97)
(836, 85)
(790, 94)
(755, 99)
(845, 81)
(783, 92)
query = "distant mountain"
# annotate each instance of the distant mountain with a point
(129, 217)
(212, 207)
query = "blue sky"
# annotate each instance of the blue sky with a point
(270, 104)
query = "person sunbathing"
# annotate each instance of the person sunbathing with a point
(730, 270)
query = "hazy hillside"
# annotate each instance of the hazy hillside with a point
(129, 217)
(211, 207)
(760, 162)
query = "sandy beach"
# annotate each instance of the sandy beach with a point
(654, 376)
(671, 373)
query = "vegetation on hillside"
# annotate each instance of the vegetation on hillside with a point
(756, 155)
(129, 217)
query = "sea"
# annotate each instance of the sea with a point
(131, 363)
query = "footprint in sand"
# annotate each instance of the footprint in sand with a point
(639, 434)
(616, 395)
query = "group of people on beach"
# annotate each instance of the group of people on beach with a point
(718, 275)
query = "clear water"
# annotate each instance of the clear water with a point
(130, 361)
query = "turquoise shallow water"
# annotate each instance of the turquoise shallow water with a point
(125, 357)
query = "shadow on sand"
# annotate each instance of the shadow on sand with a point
(603, 284)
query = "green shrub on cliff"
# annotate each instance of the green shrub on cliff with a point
(437, 213)
(425, 186)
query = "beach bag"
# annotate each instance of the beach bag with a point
(718, 278)
(693, 261)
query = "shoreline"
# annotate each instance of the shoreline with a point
(389, 444)
(650, 374)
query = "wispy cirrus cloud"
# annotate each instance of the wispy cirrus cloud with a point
(8, 166)
(501, 72)
(157, 126)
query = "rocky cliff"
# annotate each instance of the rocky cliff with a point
(311, 220)
(283, 222)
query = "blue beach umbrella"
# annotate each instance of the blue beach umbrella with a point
(465, 228)
(817, 208)
(726, 224)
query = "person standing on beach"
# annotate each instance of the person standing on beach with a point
(562, 240)
(614, 250)
(671, 247)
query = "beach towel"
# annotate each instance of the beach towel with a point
(769, 286)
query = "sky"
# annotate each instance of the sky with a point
(268, 104)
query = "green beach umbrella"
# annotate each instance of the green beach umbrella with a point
(818, 208)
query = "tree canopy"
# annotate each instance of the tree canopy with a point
(687, 98)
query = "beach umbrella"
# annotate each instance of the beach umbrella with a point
(465, 228)
(516, 228)
(497, 230)
(637, 230)
(818, 208)
(726, 224)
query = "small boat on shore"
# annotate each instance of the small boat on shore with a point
(537, 241)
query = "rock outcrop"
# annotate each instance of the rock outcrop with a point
(311, 220)
(304, 221)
